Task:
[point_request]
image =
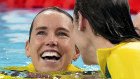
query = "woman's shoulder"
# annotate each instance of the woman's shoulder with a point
(125, 61)
(128, 53)
(129, 47)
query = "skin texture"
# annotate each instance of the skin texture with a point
(87, 41)
(136, 22)
(51, 32)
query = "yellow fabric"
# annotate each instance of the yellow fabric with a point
(73, 68)
(123, 60)
(31, 68)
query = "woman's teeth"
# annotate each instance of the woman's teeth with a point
(51, 56)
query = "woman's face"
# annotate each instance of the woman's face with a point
(85, 40)
(51, 47)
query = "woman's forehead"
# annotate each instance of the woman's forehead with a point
(53, 18)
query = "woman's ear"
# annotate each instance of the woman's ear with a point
(82, 22)
(27, 49)
(76, 56)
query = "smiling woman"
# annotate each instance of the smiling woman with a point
(50, 45)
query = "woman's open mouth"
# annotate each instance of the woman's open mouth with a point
(51, 56)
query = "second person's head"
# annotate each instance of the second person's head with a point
(101, 24)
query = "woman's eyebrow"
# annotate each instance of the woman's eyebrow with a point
(41, 28)
(63, 29)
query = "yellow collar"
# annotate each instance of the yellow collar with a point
(31, 68)
(73, 68)
(103, 54)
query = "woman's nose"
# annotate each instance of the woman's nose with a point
(51, 41)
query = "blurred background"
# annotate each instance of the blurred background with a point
(15, 20)
(65, 4)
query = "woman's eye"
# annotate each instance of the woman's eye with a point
(41, 33)
(62, 34)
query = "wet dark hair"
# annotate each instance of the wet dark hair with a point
(108, 18)
(49, 8)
